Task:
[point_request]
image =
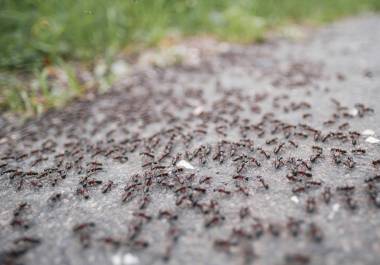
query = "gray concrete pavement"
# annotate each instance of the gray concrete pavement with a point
(262, 155)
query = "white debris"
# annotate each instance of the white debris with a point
(372, 140)
(119, 68)
(126, 259)
(130, 259)
(198, 111)
(116, 259)
(184, 164)
(295, 199)
(100, 69)
(353, 112)
(368, 132)
(335, 209)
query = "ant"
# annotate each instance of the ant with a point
(293, 143)
(222, 190)
(83, 192)
(55, 198)
(143, 215)
(215, 220)
(140, 244)
(299, 189)
(199, 189)
(376, 163)
(350, 163)
(300, 259)
(84, 234)
(258, 229)
(311, 205)
(167, 214)
(304, 173)
(82, 226)
(351, 203)
(127, 196)
(326, 195)
(358, 151)
(240, 177)
(346, 188)
(374, 195)
(294, 226)
(278, 148)
(111, 241)
(279, 162)
(244, 212)
(344, 126)
(372, 179)
(306, 115)
(265, 153)
(274, 229)
(144, 202)
(261, 179)
(224, 245)
(243, 190)
(315, 233)
(107, 186)
(29, 240)
(271, 141)
(240, 233)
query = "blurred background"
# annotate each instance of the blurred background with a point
(42, 40)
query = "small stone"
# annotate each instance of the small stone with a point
(368, 132)
(372, 140)
(295, 199)
(184, 164)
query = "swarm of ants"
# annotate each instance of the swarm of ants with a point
(81, 147)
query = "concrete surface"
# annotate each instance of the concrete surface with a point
(190, 185)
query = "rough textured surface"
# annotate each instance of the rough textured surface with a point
(232, 162)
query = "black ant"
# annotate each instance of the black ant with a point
(346, 188)
(358, 151)
(258, 229)
(215, 220)
(278, 148)
(240, 177)
(110, 241)
(294, 227)
(222, 190)
(83, 192)
(224, 245)
(107, 186)
(315, 233)
(243, 190)
(82, 226)
(262, 181)
(344, 126)
(299, 259)
(55, 198)
(351, 203)
(279, 162)
(376, 163)
(265, 153)
(311, 205)
(372, 179)
(244, 212)
(167, 214)
(326, 194)
(143, 216)
(274, 229)
(271, 141)
(293, 143)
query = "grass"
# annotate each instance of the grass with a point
(35, 34)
